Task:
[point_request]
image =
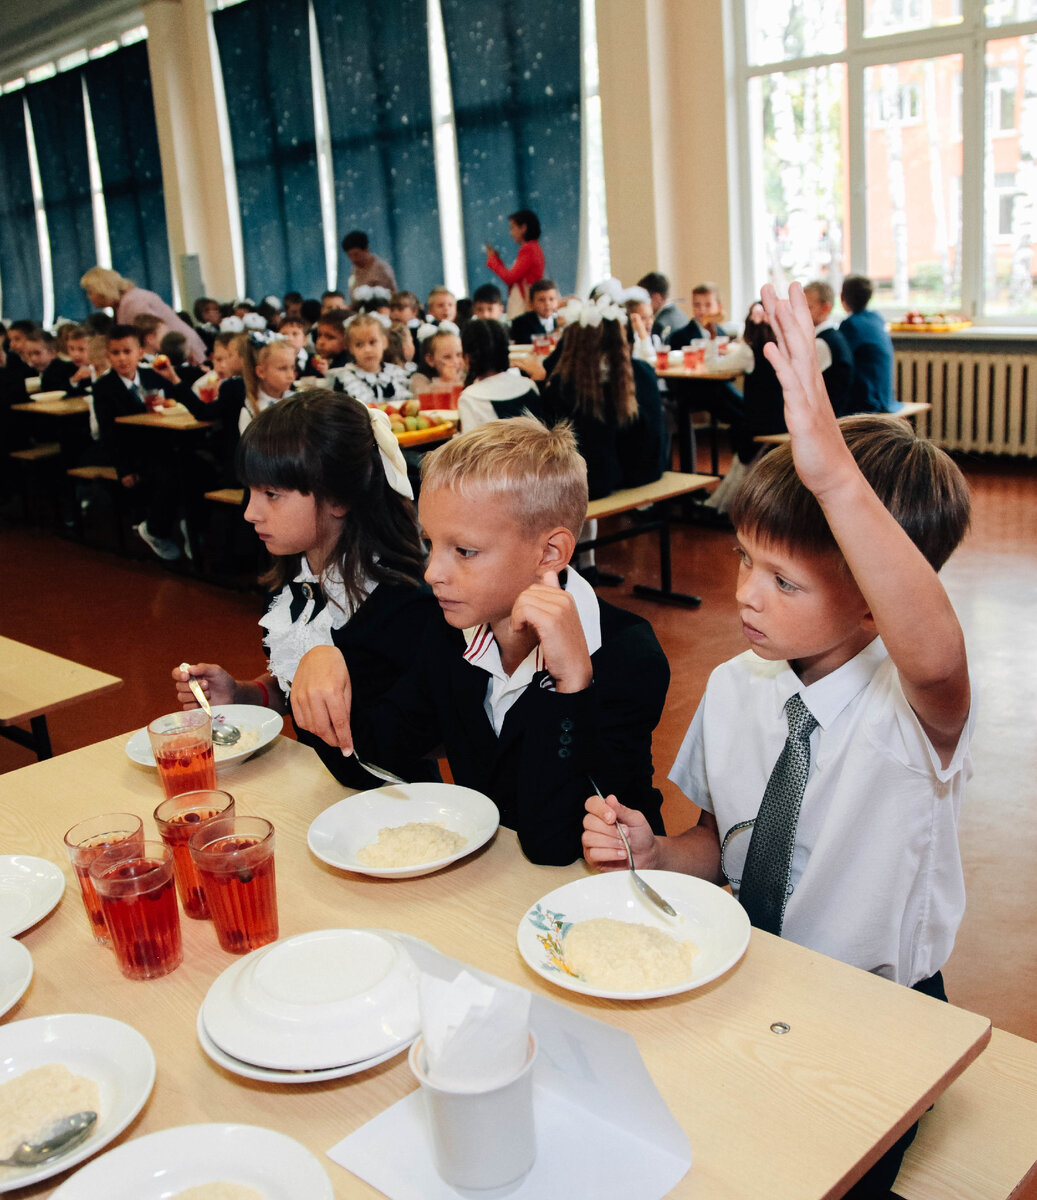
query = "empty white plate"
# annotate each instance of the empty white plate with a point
(15, 972)
(29, 889)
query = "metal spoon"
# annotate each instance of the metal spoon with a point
(222, 733)
(645, 889)
(63, 1135)
(377, 772)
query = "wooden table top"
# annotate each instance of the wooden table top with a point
(178, 420)
(717, 373)
(67, 407)
(794, 1116)
(33, 682)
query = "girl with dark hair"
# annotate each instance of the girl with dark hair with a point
(494, 392)
(330, 499)
(524, 227)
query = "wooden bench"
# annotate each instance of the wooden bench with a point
(108, 478)
(904, 413)
(980, 1140)
(669, 486)
(38, 462)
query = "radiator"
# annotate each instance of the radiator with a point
(980, 402)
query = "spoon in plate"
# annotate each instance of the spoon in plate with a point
(645, 889)
(63, 1135)
(223, 734)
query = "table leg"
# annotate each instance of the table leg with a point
(666, 592)
(37, 740)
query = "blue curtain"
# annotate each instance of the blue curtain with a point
(59, 129)
(119, 86)
(515, 75)
(264, 49)
(380, 121)
(20, 275)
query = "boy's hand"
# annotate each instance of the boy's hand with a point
(319, 364)
(167, 372)
(549, 610)
(129, 481)
(322, 696)
(820, 454)
(602, 847)
(219, 685)
(79, 376)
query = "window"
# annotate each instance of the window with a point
(901, 148)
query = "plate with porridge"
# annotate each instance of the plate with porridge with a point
(259, 726)
(599, 936)
(403, 830)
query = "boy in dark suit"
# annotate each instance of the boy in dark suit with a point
(837, 364)
(544, 298)
(530, 684)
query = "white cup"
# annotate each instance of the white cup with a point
(483, 1138)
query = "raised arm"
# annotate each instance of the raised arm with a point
(911, 610)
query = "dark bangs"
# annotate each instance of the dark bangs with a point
(276, 454)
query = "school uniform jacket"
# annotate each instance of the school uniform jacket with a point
(57, 375)
(526, 326)
(225, 409)
(839, 376)
(538, 770)
(112, 398)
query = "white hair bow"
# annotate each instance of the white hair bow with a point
(363, 292)
(232, 325)
(425, 330)
(393, 462)
(254, 321)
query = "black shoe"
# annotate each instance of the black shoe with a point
(711, 518)
(598, 578)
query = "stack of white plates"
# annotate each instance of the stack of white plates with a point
(318, 1006)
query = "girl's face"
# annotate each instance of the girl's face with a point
(211, 313)
(276, 372)
(225, 361)
(367, 346)
(447, 358)
(290, 522)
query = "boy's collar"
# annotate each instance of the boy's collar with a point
(827, 697)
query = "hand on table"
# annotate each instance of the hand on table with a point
(602, 846)
(549, 610)
(322, 696)
(219, 685)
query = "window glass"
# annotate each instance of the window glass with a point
(913, 167)
(779, 30)
(1010, 178)
(1005, 12)
(799, 214)
(883, 17)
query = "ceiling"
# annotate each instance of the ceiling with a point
(35, 31)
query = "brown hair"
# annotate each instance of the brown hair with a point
(583, 350)
(536, 474)
(822, 290)
(366, 320)
(251, 357)
(147, 323)
(917, 482)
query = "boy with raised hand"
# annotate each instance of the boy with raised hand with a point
(530, 683)
(830, 760)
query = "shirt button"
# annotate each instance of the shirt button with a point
(565, 752)
(565, 739)
(566, 723)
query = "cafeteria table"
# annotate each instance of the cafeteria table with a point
(793, 1115)
(34, 683)
(687, 400)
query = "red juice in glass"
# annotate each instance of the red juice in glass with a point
(178, 818)
(139, 900)
(235, 858)
(182, 746)
(85, 843)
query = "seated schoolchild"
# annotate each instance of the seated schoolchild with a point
(329, 497)
(541, 318)
(293, 330)
(333, 301)
(401, 349)
(441, 306)
(152, 330)
(529, 682)
(487, 303)
(405, 309)
(174, 348)
(494, 391)
(707, 318)
(833, 350)
(442, 359)
(330, 342)
(150, 475)
(207, 319)
(872, 348)
(41, 353)
(368, 377)
(667, 318)
(639, 312)
(370, 298)
(293, 302)
(77, 346)
(829, 760)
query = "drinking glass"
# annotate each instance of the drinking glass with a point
(182, 745)
(178, 818)
(235, 859)
(135, 885)
(85, 842)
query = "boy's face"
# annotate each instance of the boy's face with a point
(330, 340)
(335, 303)
(211, 313)
(402, 313)
(545, 304)
(479, 561)
(17, 341)
(78, 350)
(38, 354)
(294, 335)
(124, 356)
(488, 310)
(704, 305)
(442, 306)
(800, 606)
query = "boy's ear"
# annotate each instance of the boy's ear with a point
(557, 548)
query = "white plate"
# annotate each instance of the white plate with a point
(29, 889)
(162, 1164)
(246, 716)
(707, 915)
(322, 999)
(238, 1066)
(110, 1052)
(347, 827)
(38, 396)
(15, 972)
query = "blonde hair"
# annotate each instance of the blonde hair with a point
(106, 283)
(365, 320)
(537, 473)
(251, 357)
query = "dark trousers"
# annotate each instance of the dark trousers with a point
(878, 1180)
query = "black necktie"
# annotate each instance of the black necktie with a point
(765, 878)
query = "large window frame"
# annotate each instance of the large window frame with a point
(969, 38)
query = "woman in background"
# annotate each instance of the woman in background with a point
(524, 227)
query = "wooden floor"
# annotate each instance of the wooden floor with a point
(138, 620)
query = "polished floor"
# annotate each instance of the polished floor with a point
(138, 620)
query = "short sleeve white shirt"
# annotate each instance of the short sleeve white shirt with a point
(876, 870)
